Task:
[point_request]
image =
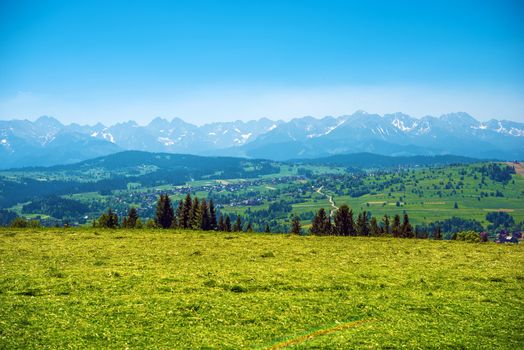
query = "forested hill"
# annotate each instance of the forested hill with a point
(116, 171)
(376, 161)
(140, 160)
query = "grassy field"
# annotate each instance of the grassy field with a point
(156, 289)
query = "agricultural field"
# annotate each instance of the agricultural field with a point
(90, 288)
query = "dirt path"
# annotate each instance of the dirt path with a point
(331, 201)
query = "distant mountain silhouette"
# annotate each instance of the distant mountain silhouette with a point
(46, 141)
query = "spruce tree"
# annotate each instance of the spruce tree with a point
(295, 225)
(437, 234)
(178, 213)
(407, 229)
(186, 213)
(385, 224)
(221, 224)
(130, 221)
(237, 227)
(321, 223)
(108, 220)
(205, 222)
(112, 221)
(362, 224)
(195, 216)
(212, 216)
(374, 229)
(227, 224)
(351, 224)
(395, 227)
(164, 212)
(343, 221)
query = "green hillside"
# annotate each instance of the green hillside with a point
(92, 288)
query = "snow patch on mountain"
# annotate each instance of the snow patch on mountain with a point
(399, 124)
(516, 132)
(166, 141)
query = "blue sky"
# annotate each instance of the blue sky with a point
(109, 61)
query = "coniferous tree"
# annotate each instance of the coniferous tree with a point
(205, 220)
(267, 229)
(221, 226)
(178, 213)
(195, 217)
(385, 224)
(108, 220)
(212, 216)
(395, 227)
(237, 227)
(186, 213)
(351, 224)
(344, 225)
(296, 228)
(321, 224)
(227, 224)
(437, 234)
(130, 221)
(407, 229)
(374, 228)
(164, 212)
(362, 224)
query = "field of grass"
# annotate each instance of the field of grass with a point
(87, 288)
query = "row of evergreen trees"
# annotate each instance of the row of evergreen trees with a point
(199, 214)
(196, 214)
(190, 213)
(344, 224)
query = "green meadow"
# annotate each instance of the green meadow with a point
(92, 289)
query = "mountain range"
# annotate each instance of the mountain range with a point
(46, 141)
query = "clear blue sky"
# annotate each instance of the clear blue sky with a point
(108, 61)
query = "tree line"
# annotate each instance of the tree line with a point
(191, 213)
(344, 224)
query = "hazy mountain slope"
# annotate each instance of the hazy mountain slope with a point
(46, 141)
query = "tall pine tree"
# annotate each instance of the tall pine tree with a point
(227, 224)
(237, 227)
(212, 215)
(295, 225)
(221, 226)
(374, 228)
(396, 230)
(407, 229)
(178, 213)
(344, 225)
(385, 224)
(132, 219)
(164, 212)
(186, 213)
(362, 224)
(205, 221)
(321, 224)
(195, 217)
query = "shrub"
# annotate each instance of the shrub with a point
(468, 236)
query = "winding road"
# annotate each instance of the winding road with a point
(331, 201)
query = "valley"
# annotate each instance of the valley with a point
(265, 192)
